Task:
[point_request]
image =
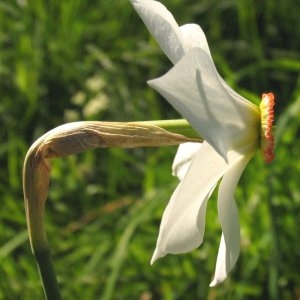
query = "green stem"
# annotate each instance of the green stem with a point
(47, 273)
(179, 126)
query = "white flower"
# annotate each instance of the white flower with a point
(233, 129)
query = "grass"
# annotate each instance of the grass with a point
(66, 61)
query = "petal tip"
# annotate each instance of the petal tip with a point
(218, 279)
(154, 83)
(214, 283)
(156, 255)
(221, 149)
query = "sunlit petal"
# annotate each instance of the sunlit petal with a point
(184, 235)
(162, 26)
(183, 222)
(194, 36)
(183, 158)
(228, 214)
(193, 87)
(175, 41)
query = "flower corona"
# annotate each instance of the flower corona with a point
(267, 118)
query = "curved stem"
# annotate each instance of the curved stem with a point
(36, 174)
(74, 138)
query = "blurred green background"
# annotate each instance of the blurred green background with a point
(63, 61)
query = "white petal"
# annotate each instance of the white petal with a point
(162, 26)
(194, 37)
(183, 223)
(228, 214)
(175, 41)
(193, 87)
(183, 158)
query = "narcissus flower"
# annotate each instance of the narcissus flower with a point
(232, 127)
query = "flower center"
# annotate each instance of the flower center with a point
(267, 117)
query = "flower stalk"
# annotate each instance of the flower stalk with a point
(75, 138)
